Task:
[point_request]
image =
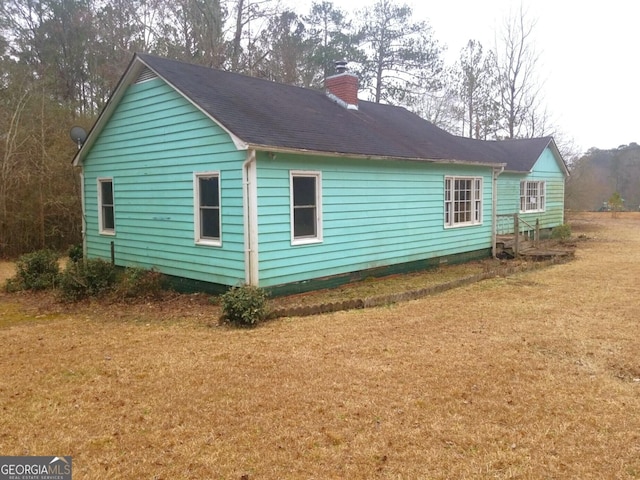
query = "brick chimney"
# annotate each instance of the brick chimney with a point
(343, 87)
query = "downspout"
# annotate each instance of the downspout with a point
(84, 216)
(250, 213)
(494, 211)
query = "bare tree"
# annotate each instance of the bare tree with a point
(39, 205)
(250, 21)
(519, 87)
(474, 85)
(11, 123)
(283, 45)
(236, 44)
(193, 30)
(441, 107)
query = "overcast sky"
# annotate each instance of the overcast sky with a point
(589, 57)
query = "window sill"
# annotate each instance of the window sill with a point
(462, 225)
(209, 243)
(305, 241)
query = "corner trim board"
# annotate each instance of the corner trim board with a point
(250, 215)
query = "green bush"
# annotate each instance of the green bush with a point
(138, 282)
(86, 279)
(75, 253)
(12, 285)
(561, 232)
(244, 305)
(35, 271)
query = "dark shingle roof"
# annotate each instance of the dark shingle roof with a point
(265, 113)
(519, 155)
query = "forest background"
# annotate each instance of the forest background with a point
(61, 59)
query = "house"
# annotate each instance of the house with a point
(216, 179)
(532, 186)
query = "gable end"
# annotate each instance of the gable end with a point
(138, 72)
(145, 75)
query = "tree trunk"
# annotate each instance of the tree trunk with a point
(235, 54)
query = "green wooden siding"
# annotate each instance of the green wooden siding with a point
(375, 213)
(546, 168)
(151, 147)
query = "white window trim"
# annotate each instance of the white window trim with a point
(101, 230)
(542, 204)
(318, 237)
(477, 202)
(196, 209)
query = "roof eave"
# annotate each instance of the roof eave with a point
(557, 153)
(326, 153)
(131, 72)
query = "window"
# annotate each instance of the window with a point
(207, 208)
(532, 196)
(306, 211)
(462, 201)
(106, 212)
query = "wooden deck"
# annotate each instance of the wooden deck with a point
(533, 250)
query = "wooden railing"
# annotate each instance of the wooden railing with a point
(518, 224)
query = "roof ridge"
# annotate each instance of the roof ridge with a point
(267, 114)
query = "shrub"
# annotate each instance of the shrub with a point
(12, 285)
(35, 271)
(88, 278)
(139, 282)
(561, 232)
(244, 305)
(75, 253)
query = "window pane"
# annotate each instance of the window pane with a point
(106, 192)
(464, 212)
(463, 201)
(304, 191)
(210, 222)
(304, 222)
(108, 220)
(106, 200)
(209, 195)
(532, 195)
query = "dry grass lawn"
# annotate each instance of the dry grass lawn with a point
(531, 376)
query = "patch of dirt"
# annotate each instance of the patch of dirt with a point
(626, 372)
(170, 307)
(7, 270)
